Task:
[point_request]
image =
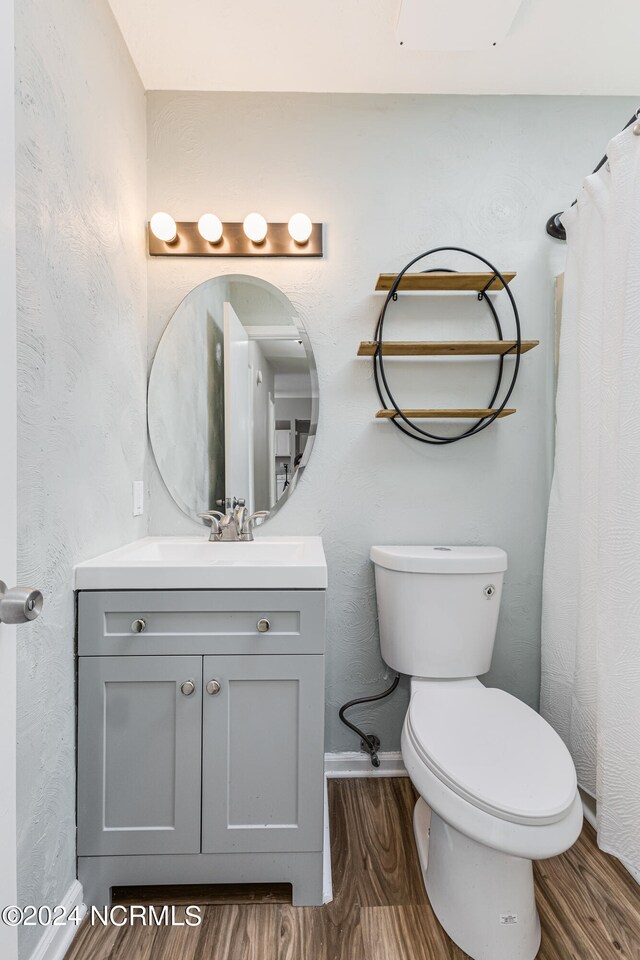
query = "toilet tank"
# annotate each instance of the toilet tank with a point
(438, 608)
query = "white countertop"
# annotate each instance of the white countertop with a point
(193, 563)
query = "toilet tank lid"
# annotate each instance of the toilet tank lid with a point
(440, 559)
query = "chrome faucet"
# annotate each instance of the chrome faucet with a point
(233, 526)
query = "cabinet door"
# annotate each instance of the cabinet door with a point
(263, 754)
(139, 743)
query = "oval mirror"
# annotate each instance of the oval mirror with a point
(233, 397)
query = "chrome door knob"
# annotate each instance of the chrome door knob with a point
(213, 687)
(263, 625)
(188, 687)
(19, 604)
(139, 626)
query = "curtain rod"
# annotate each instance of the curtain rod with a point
(554, 225)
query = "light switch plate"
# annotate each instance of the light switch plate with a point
(138, 498)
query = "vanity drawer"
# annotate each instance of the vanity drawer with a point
(200, 622)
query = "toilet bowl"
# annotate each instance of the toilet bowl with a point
(497, 785)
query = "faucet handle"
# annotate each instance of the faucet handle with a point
(212, 517)
(259, 515)
(250, 522)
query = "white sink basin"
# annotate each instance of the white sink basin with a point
(192, 563)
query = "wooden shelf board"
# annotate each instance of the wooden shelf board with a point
(445, 348)
(442, 281)
(459, 414)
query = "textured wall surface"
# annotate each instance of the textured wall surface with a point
(82, 341)
(390, 177)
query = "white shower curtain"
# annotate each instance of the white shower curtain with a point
(591, 601)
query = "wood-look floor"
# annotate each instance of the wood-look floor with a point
(589, 905)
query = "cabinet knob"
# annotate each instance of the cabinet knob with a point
(213, 687)
(138, 626)
(188, 687)
(263, 625)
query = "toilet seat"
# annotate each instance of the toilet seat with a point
(493, 751)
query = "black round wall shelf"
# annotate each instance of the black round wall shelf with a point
(489, 280)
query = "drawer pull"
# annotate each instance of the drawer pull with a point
(213, 687)
(188, 687)
(138, 626)
(263, 625)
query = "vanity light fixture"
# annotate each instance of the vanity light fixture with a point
(252, 237)
(210, 227)
(163, 226)
(300, 228)
(255, 227)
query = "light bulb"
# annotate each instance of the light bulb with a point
(163, 226)
(255, 227)
(300, 227)
(209, 227)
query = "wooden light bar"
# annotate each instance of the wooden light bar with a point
(235, 243)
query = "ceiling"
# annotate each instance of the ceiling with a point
(350, 46)
(285, 356)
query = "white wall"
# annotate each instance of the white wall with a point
(8, 465)
(391, 176)
(82, 350)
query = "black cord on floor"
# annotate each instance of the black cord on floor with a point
(368, 741)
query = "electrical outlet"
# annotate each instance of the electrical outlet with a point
(138, 498)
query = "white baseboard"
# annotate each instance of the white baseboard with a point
(358, 764)
(352, 764)
(55, 941)
(589, 808)
(327, 879)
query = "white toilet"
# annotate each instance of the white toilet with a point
(497, 784)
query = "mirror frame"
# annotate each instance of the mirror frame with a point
(313, 376)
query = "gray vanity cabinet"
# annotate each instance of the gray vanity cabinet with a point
(139, 754)
(262, 742)
(201, 739)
